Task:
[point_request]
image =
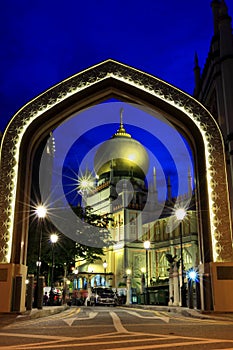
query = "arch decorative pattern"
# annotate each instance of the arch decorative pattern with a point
(219, 214)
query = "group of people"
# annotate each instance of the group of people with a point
(54, 298)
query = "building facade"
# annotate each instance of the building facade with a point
(121, 165)
(214, 83)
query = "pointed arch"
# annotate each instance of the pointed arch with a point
(112, 79)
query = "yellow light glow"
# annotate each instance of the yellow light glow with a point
(41, 211)
(132, 157)
(180, 213)
(146, 244)
(86, 182)
(54, 238)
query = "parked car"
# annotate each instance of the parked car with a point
(103, 296)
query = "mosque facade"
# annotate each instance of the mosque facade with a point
(121, 164)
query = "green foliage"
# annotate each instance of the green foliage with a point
(66, 251)
(94, 228)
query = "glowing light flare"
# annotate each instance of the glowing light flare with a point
(146, 244)
(180, 213)
(192, 275)
(41, 211)
(54, 238)
(86, 182)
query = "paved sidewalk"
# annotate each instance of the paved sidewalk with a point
(45, 311)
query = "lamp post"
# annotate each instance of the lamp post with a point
(147, 247)
(53, 239)
(105, 268)
(128, 285)
(41, 212)
(192, 277)
(75, 285)
(180, 215)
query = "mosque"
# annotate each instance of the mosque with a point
(121, 164)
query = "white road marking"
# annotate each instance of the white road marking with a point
(117, 323)
(163, 318)
(70, 320)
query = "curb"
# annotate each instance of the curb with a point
(46, 311)
(186, 312)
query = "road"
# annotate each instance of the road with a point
(119, 328)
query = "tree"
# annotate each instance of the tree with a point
(67, 251)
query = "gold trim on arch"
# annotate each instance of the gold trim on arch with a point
(219, 212)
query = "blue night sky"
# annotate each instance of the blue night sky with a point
(44, 42)
(78, 138)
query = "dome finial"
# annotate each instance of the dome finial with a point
(121, 117)
(121, 131)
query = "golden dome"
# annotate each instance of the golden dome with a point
(125, 155)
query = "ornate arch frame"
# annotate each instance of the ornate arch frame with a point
(113, 79)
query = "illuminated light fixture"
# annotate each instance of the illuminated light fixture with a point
(41, 211)
(146, 244)
(86, 182)
(53, 238)
(180, 213)
(41, 214)
(192, 275)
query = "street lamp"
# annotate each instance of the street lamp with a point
(105, 268)
(53, 239)
(180, 214)
(147, 247)
(75, 285)
(192, 278)
(128, 285)
(41, 212)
